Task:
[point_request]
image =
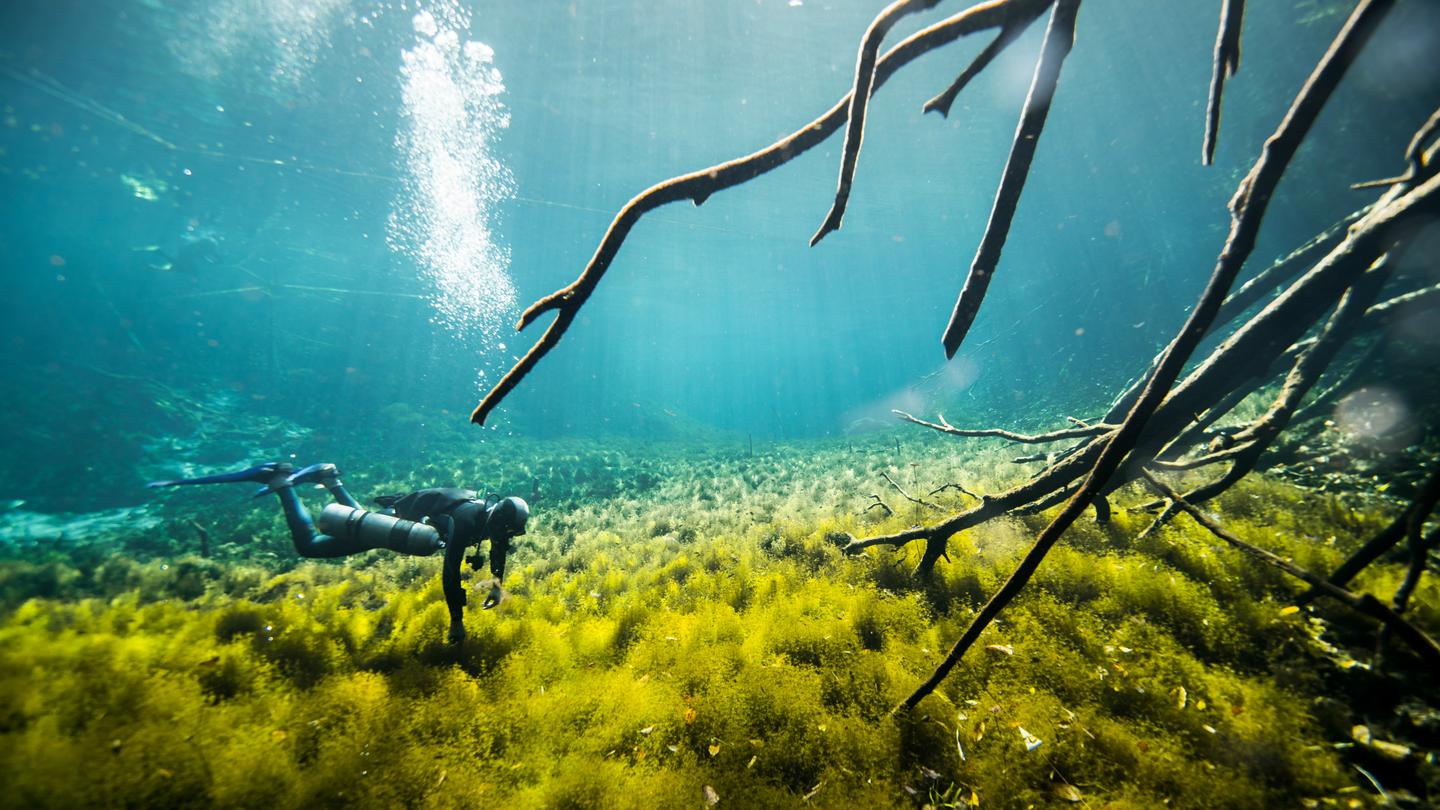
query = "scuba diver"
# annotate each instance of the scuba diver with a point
(420, 523)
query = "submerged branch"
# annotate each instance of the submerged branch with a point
(906, 495)
(1227, 61)
(1408, 523)
(698, 186)
(1023, 438)
(859, 102)
(1414, 155)
(1007, 36)
(1421, 643)
(1247, 210)
(1059, 39)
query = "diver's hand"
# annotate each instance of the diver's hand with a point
(493, 597)
(456, 635)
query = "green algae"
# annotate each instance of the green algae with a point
(682, 621)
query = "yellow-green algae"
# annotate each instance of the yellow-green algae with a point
(681, 626)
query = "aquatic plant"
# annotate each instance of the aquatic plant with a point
(751, 660)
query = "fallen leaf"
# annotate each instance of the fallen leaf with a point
(714, 749)
(278, 734)
(1289, 610)
(1068, 792)
(711, 797)
(1031, 741)
(647, 729)
(1391, 750)
(690, 715)
(1003, 649)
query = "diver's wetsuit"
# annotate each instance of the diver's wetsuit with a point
(460, 516)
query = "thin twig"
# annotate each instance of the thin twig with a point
(956, 487)
(1023, 438)
(1170, 510)
(1007, 36)
(1404, 525)
(908, 496)
(1414, 155)
(880, 504)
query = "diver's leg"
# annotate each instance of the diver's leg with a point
(270, 473)
(328, 476)
(309, 542)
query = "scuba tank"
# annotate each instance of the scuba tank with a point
(374, 530)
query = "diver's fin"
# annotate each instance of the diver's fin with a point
(266, 473)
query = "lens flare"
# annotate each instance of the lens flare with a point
(1376, 417)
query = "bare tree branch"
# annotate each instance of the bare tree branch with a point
(859, 101)
(1023, 438)
(1247, 210)
(1227, 61)
(1059, 39)
(1010, 32)
(907, 495)
(699, 185)
(1414, 155)
(1421, 643)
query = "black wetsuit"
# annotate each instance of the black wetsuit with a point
(459, 515)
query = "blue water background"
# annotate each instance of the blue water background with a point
(714, 324)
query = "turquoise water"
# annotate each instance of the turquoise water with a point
(243, 230)
(282, 133)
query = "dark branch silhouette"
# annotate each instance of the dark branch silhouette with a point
(1227, 61)
(1059, 39)
(699, 185)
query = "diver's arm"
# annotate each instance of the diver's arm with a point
(498, 549)
(454, 589)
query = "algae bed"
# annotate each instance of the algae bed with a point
(682, 630)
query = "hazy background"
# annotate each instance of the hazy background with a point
(354, 206)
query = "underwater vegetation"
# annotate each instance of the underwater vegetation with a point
(683, 629)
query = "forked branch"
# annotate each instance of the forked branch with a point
(1023, 438)
(1416, 638)
(699, 185)
(1247, 210)
(859, 102)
